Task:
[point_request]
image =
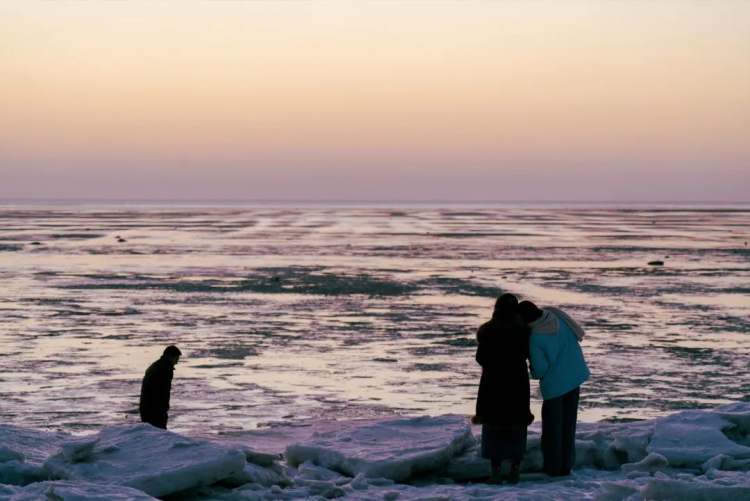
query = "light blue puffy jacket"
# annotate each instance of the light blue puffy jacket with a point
(555, 354)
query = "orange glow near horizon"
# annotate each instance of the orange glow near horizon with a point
(437, 87)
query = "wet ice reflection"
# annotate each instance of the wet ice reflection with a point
(286, 314)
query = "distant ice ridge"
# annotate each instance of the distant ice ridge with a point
(690, 455)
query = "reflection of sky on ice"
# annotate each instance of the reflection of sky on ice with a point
(331, 312)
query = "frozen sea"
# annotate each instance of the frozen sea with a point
(289, 314)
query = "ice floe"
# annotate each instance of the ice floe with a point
(396, 449)
(155, 461)
(65, 490)
(22, 452)
(690, 455)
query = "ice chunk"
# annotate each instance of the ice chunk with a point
(616, 491)
(34, 446)
(650, 464)
(321, 488)
(359, 482)
(63, 490)
(155, 461)
(724, 462)
(396, 448)
(7, 454)
(22, 453)
(312, 471)
(685, 490)
(690, 438)
(78, 450)
(20, 473)
(467, 466)
(631, 440)
(255, 474)
(260, 458)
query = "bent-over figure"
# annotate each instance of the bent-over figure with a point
(557, 361)
(156, 388)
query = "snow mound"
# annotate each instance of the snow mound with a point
(155, 461)
(64, 490)
(396, 449)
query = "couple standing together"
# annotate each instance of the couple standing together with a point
(549, 339)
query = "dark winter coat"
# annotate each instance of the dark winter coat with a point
(155, 392)
(503, 397)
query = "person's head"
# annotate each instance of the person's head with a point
(529, 311)
(172, 353)
(506, 303)
(506, 307)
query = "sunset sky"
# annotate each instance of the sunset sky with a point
(392, 101)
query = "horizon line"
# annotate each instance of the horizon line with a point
(333, 201)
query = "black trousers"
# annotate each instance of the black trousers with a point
(158, 419)
(559, 416)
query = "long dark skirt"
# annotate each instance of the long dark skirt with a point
(503, 442)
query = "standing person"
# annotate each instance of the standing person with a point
(156, 388)
(557, 361)
(503, 398)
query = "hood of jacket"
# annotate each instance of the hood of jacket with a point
(549, 323)
(564, 317)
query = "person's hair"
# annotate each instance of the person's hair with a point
(506, 303)
(171, 351)
(529, 311)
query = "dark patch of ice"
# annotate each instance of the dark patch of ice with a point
(75, 236)
(301, 280)
(461, 341)
(232, 352)
(460, 286)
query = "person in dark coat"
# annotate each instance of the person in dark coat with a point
(503, 398)
(156, 388)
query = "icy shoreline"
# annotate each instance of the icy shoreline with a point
(693, 454)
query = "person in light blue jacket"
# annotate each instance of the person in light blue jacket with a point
(557, 361)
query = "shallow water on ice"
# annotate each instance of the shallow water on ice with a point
(327, 312)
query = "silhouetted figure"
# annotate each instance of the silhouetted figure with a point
(503, 397)
(156, 388)
(557, 361)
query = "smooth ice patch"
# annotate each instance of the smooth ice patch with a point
(396, 449)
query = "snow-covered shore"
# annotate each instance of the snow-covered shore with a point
(693, 454)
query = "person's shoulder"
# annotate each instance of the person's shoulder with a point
(158, 366)
(484, 331)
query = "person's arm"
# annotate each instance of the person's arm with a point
(167, 387)
(483, 347)
(161, 386)
(483, 354)
(538, 358)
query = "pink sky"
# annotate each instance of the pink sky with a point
(413, 101)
